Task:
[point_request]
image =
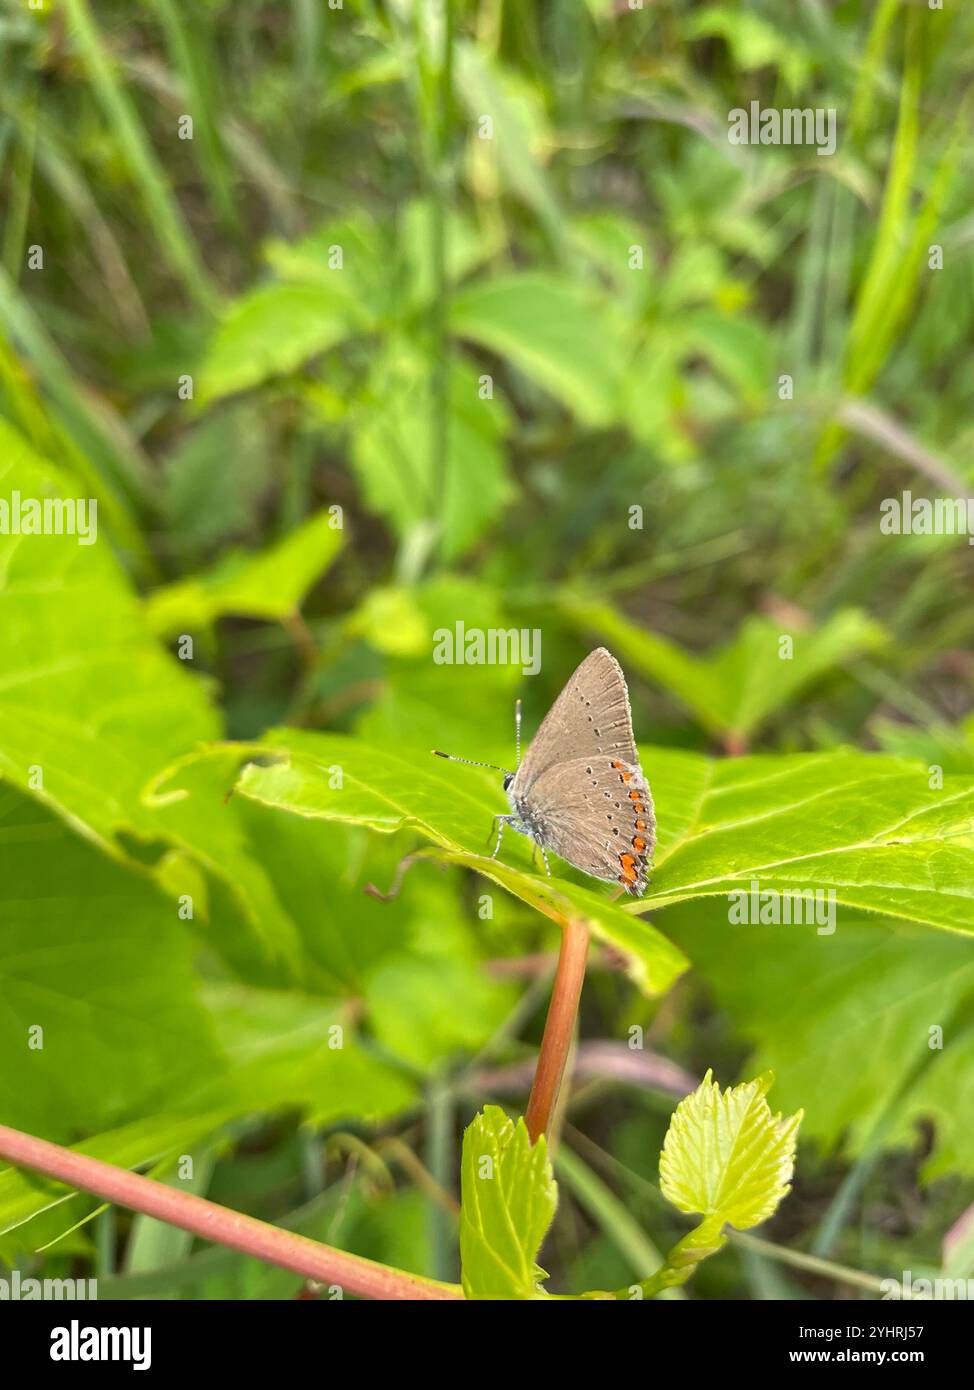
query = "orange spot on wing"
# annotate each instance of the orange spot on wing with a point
(638, 844)
(628, 875)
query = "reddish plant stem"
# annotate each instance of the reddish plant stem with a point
(559, 1027)
(308, 1258)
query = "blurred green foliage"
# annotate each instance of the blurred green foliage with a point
(350, 365)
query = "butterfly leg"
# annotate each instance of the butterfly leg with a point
(504, 820)
(544, 856)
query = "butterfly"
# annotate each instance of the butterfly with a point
(580, 791)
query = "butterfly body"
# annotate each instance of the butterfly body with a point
(580, 790)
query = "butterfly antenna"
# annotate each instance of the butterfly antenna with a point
(471, 762)
(517, 733)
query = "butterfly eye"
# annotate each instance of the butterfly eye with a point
(508, 780)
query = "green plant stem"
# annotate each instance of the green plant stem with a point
(704, 1240)
(781, 1254)
(559, 1027)
(440, 184)
(612, 1215)
(308, 1258)
(797, 1259)
(440, 1226)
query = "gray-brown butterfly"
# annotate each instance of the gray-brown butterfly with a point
(580, 790)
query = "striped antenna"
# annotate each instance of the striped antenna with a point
(471, 762)
(517, 733)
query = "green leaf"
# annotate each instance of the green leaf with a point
(726, 1156)
(739, 348)
(270, 584)
(393, 451)
(276, 1050)
(936, 745)
(273, 330)
(546, 327)
(95, 957)
(91, 707)
(507, 1202)
(362, 279)
(754, 42)
(519, 130)
(392, 622)
(335, 778)
(408, 960)
(869, 828)
(412, 1000)
(35, 1210)
(86, 695)
(205, 501)
(944, 1095)
(737, 688)
(286, 1049)
(315, 302)
(872, 991)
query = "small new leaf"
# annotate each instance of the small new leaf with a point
(508, 1200)
(726, 1156)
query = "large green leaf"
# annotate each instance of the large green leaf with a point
(91, 707)
(867, 827)
(85, 694)
(363, 277)
(35, 1211)
(331, 777)
(95, 957)
(873, 992)
(285, 1049)
(188, 1065)
(508, 1198)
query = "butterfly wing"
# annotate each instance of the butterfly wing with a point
(590, 718)
(597, 813)
(580, 788)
